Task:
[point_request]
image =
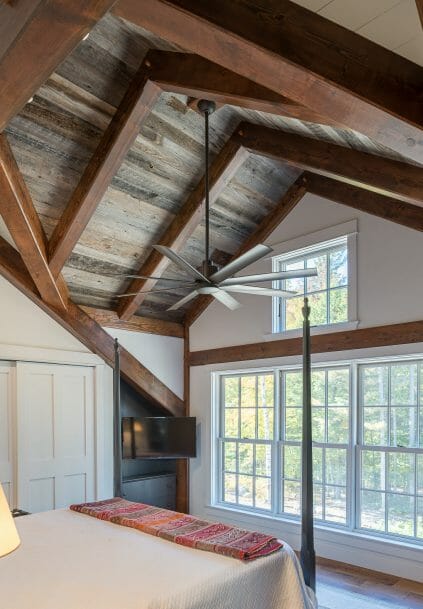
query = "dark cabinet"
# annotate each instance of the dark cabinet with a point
(154, 489)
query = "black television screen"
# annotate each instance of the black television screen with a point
(158, 437)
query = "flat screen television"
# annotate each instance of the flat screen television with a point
(158, 437)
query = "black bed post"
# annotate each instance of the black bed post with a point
(117, 433)
(307, 555)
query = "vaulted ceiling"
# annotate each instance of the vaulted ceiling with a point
(110, 146)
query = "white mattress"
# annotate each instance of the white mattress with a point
(72, 561)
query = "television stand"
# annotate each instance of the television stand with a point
(154, 489)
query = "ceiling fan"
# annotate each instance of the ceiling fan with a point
(220, 283)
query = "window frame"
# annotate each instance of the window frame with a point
(354, 450)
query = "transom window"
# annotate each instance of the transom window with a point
(367, 422)
(327, 292)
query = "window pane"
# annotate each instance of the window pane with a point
(420, 474)
(318, 501)
(246, 458)
(265, 390)
(372, 510)
(420, 517)
(245, 490)
(263, 460)
(318, 387)
(293, 313)
(336, 466)
(265, 423)
(375, 424)
(315, 284)
(231, 385)
(231, 422)
(248, 391)
(318, 424)
(229, 492)
(335, 504)
(317, 464)
(375, 385)
(373, 470)
(293, 389)
(338, 305)
(404, 384)
(297, 284)
(403, 426)
(292, 497)
(338, 425)
(400, 514)
(229, 449)
(339, 267)
(339, 387)
(401, 472)
(292, 462)
(421, 424)
(248, 423)
(293, 423)
(263, 493)
(318, 309)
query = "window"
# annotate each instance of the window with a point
(369, 414)
(328, 292)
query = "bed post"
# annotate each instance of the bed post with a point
(307, 555)
(117, 433)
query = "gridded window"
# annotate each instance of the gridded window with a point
(327, 292)
(331, 414)
(247, 431)
(391, 448)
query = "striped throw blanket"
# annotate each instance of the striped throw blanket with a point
(182, 528)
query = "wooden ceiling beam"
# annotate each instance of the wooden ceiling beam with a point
(271, 221)
(370, 202)
(199, 78)
(76, 321)
(301, 55)
(224, 167)
(363, 338)
(35, 37)
(387, 176)
(419, 4)
(149, 325)
(105, 162)
(23, 223)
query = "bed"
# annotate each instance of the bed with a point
(72, 561)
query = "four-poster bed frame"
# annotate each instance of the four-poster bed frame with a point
(307, 554)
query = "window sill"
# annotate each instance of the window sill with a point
(326, 329)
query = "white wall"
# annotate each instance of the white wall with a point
(162, 355)
(390, 276)
(390, 290)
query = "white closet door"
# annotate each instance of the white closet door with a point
(7, 432)
(55, 429)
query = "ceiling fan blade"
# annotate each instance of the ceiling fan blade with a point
(169, 289)
(249, 289)
(179, 261)
(183, 300)
(268, 277)
(241, 262)
(226, 299)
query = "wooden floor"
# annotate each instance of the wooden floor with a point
(341, 586)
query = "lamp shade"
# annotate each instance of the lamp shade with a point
(9, 538)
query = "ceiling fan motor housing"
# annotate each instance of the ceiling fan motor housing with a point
(208, 268)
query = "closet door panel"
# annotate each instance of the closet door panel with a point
(7, 431)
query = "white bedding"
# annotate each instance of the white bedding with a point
(72, 561)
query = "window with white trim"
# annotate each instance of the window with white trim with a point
(367, 423)
(328, 292)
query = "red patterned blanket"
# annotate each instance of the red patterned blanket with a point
(182, 528)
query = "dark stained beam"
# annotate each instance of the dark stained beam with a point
(20, 217)
(35, 37)
(198, 78)
(419, 4)
(386, 176)
(387, 208)
(290, 199)
(150, 325)
(363, 338)
(182, 465)
(224, 167)
(106, 160)
(298, 54)
(91, 334)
